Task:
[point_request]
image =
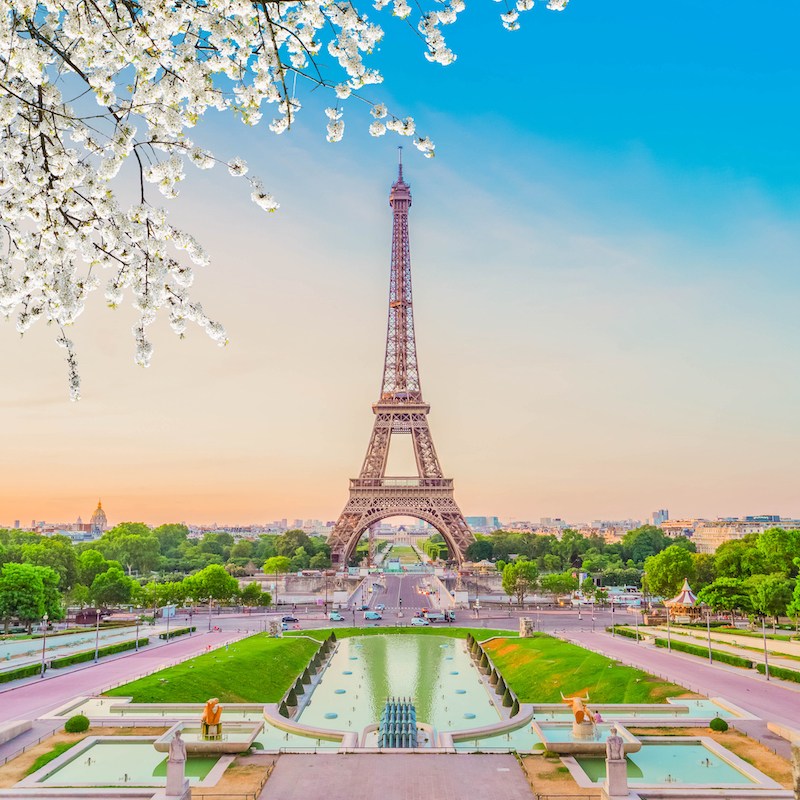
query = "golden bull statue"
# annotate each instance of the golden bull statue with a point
(580, 710)
(211, 721)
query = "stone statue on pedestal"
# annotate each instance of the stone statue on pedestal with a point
(616, 766)
(177, 782)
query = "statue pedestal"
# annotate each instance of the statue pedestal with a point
(616, 783)
(177, 782)
(583, 730)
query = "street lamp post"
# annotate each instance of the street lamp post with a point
(209, 613)
(708, 633)
(97, 637)
(44, 642)
(766, 657)
(613, 629)
(190, 623)
(669, 637)
(637, 625)
(166, 609)
(138, 619)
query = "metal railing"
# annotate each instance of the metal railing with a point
(401, 483)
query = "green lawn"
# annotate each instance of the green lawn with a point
(406, 554)
(46, 758)
(481, 634)
(538, 669)
(258, 669)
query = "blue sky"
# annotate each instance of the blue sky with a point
(606, 273)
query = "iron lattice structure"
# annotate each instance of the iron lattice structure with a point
(401, 410)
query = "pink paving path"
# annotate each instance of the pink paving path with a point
(31, 700)
(770, 700)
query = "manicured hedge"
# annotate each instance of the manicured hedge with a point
(20, 672)
(716, 655)
(623, 632)
(88, 655)
(177, 632)
(780, 672)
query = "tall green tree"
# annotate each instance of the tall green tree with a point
(277, 565)
(770, 595)
(519, 579)
(559, 583)
(111, 588)
(22, 595)
(667, 570)
(213, 582)
(727, 594)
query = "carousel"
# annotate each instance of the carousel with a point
(684, 606)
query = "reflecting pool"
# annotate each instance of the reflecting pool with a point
(436, 672)
(678, 763)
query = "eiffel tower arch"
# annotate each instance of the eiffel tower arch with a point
(401, 411)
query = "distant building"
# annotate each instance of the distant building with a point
(483, 524)
(708, 536)
(674, 528)
(99, 522)
(662, 515)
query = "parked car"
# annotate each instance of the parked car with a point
(335, 616)
(380, 607)
(419, 621)
(372, 615)
(289, 618)
(364, 607)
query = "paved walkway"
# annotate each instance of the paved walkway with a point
(33, 699)
(404, 776)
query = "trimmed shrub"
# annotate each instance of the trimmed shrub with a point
(619, 631)
(515, 707)
(20, 672)
(306, 676)
(283, 710)
(500, 688)
(780, 672)
(508, 700)
(718, 724)
(298, 687)
(77, 724)
(332, 636)
(716, 655)
(291, 698)
(176, 632)
(484, 664)
(494, 677)
(88, 655)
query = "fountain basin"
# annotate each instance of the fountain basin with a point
(237, 737)
(558, 737)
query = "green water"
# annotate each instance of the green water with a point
(436, 672)
(124, 764)
(668, 764)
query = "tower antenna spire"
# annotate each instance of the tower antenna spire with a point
(400, 162)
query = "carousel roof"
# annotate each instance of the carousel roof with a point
(685, 597)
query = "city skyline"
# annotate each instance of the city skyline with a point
(597, 296)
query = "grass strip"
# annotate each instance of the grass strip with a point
(539, 668)
(46, 758)
(258, 669)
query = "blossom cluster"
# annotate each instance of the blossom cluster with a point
(87, 87)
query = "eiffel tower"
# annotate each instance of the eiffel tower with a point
(401, 410)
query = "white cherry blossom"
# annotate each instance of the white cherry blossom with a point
(87, 87)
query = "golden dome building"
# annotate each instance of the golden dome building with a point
(99, 522)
